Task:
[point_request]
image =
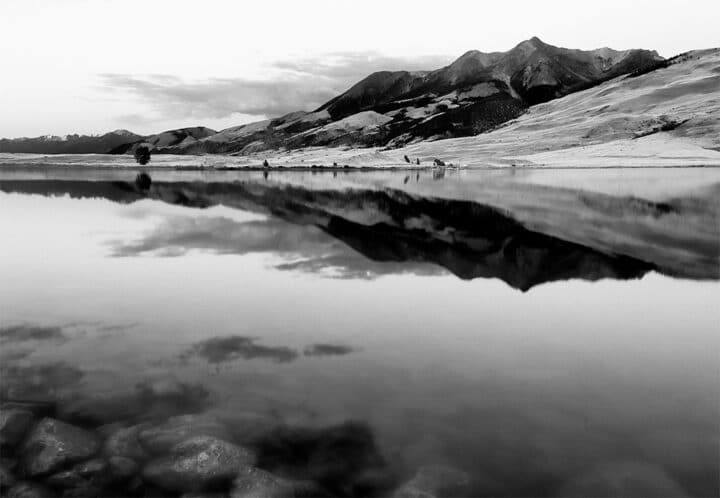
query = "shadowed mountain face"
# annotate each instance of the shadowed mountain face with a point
(531, 72)
(469, 239)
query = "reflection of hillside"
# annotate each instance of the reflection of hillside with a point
(469, 239)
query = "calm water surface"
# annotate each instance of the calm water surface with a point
(546, 331)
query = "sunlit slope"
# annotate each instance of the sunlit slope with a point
(669, 113)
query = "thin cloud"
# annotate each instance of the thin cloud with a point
(350, 67)
(299, 84)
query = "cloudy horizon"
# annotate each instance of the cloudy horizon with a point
(88, 67)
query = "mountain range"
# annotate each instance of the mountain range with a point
(476, 93)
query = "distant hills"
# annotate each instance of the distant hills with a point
(114, 142)
(70, 144)
(476, 93)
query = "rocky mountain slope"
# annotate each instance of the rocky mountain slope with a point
(668, 116)
(474, 94)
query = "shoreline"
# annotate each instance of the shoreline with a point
(337, 169)
(652, 152)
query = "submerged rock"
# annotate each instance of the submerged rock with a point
(336, 457)
(252, 482)
(124, 442)
(92, 474)
(65, 479)
(162, 438)
(247, 427)
(147, 401)
(52, 444)
(37, 408)
(435, 480)
(200, 463)
(29, 490)
(7, 479)
(122, 468)
(624, 479)
(92, 468)
(14, 423)
(203, 495)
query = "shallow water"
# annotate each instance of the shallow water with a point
(537, 330)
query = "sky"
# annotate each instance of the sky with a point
(91, 66)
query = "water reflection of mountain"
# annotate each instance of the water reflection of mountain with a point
(469, 239)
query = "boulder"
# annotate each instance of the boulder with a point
(161, 438)
(435, 480)
(124, 442)
(198, 464)
(14, 423)
(52, 444)
(29, 490)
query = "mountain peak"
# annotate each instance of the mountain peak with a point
(531, 44)
(123, 133)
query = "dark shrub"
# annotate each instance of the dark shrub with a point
(142, 154)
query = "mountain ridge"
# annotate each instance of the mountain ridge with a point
(475, 93)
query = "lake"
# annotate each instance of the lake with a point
(546, 333)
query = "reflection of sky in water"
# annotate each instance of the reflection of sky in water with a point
(547, 384)
(224, 231)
